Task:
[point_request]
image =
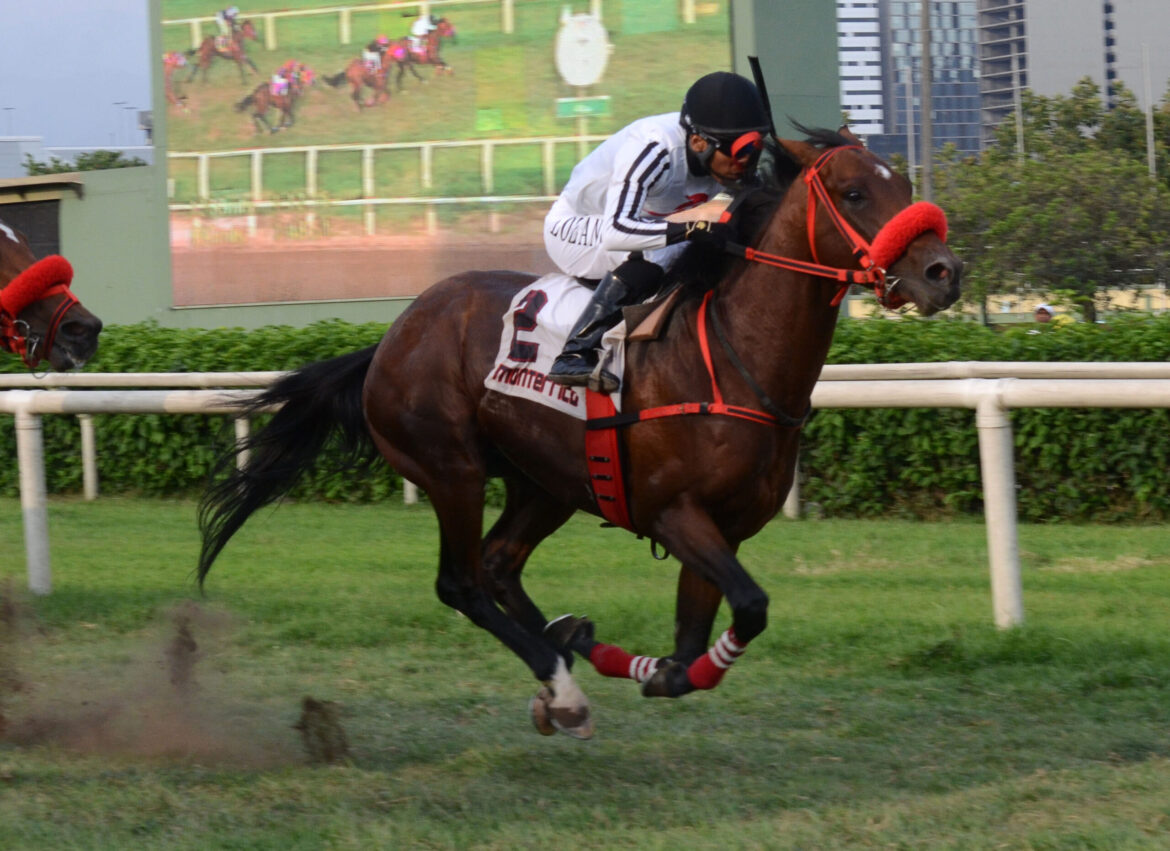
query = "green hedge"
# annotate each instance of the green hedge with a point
(1088, 464)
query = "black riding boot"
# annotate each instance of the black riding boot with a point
(627, 284)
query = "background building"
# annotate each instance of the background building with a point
(983, 53)
(1049, 45)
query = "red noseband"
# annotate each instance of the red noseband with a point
(46, 277)
(34, 282)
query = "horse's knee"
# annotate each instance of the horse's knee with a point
(751, 616)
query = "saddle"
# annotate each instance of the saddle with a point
(646, 320)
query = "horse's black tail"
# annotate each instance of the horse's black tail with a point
(336, 80)
(319, 402)
(242, 105)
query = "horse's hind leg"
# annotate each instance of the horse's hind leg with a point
(442, 459)
(530, 515)
(560, 705)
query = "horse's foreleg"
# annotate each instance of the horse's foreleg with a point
(693, 538)
(696, 604)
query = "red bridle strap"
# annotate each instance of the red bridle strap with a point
(890, 243)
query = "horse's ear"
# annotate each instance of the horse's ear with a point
(849, 134)
(802, 152)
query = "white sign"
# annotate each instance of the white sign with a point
(581, 50)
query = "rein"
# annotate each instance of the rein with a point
(47, 277)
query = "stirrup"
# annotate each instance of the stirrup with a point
(601, 380)
(564, 370)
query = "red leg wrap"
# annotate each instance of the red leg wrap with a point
(611, 661)
(706, 671)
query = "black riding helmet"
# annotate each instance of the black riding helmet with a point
(727, 111)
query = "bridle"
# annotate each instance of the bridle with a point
(45, 278)
(874, 258)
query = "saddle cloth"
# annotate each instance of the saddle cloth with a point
(536, 325)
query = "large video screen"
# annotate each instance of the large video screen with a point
(322, 152)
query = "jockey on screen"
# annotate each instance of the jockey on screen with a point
(609, 221)
(420, 29)
(372, 55)
(225, 19)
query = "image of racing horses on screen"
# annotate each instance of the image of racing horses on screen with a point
(225, 47)
(40, 318)
(423, 50)
(705, 443)
(281, 92)
(361, 74)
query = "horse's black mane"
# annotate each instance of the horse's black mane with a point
(699, 269)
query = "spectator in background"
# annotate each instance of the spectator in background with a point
(1042, 313)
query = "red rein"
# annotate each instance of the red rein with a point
(48, 276)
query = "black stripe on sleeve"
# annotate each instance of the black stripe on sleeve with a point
(648, 168)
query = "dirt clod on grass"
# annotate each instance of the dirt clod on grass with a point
(321, 731)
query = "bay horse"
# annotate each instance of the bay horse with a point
(234, 50)
(699, 483)
(263, 98)
(359, 75)
(406, 57)
(40, 319)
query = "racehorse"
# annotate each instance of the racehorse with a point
(359, 74)
(709, 435)
(404, 54)
(40, 319)
(263, 98)
(233, 50)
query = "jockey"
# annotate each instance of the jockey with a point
(372, 55)
(174, 59)
(420, 29)
(225, 19)
(609, 221)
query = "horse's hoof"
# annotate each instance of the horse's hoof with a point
(574, 721)
(670, 680)
(538, 712)
(571, 633)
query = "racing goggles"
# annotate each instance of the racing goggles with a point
(744, 147)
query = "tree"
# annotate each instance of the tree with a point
(1076, 215)
(1075, 222)
(92, 161)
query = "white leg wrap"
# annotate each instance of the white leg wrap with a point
(566, 692)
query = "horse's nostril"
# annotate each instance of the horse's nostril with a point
(939, 272)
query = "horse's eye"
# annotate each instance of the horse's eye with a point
(853, 195)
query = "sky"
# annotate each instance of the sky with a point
(69, 70)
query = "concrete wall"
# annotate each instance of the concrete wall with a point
(797, 44)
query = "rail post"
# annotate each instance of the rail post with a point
(243, 427)
(996, 460)
(30, 451)
(89, 474)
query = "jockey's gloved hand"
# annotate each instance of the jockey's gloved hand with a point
(715, 235)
